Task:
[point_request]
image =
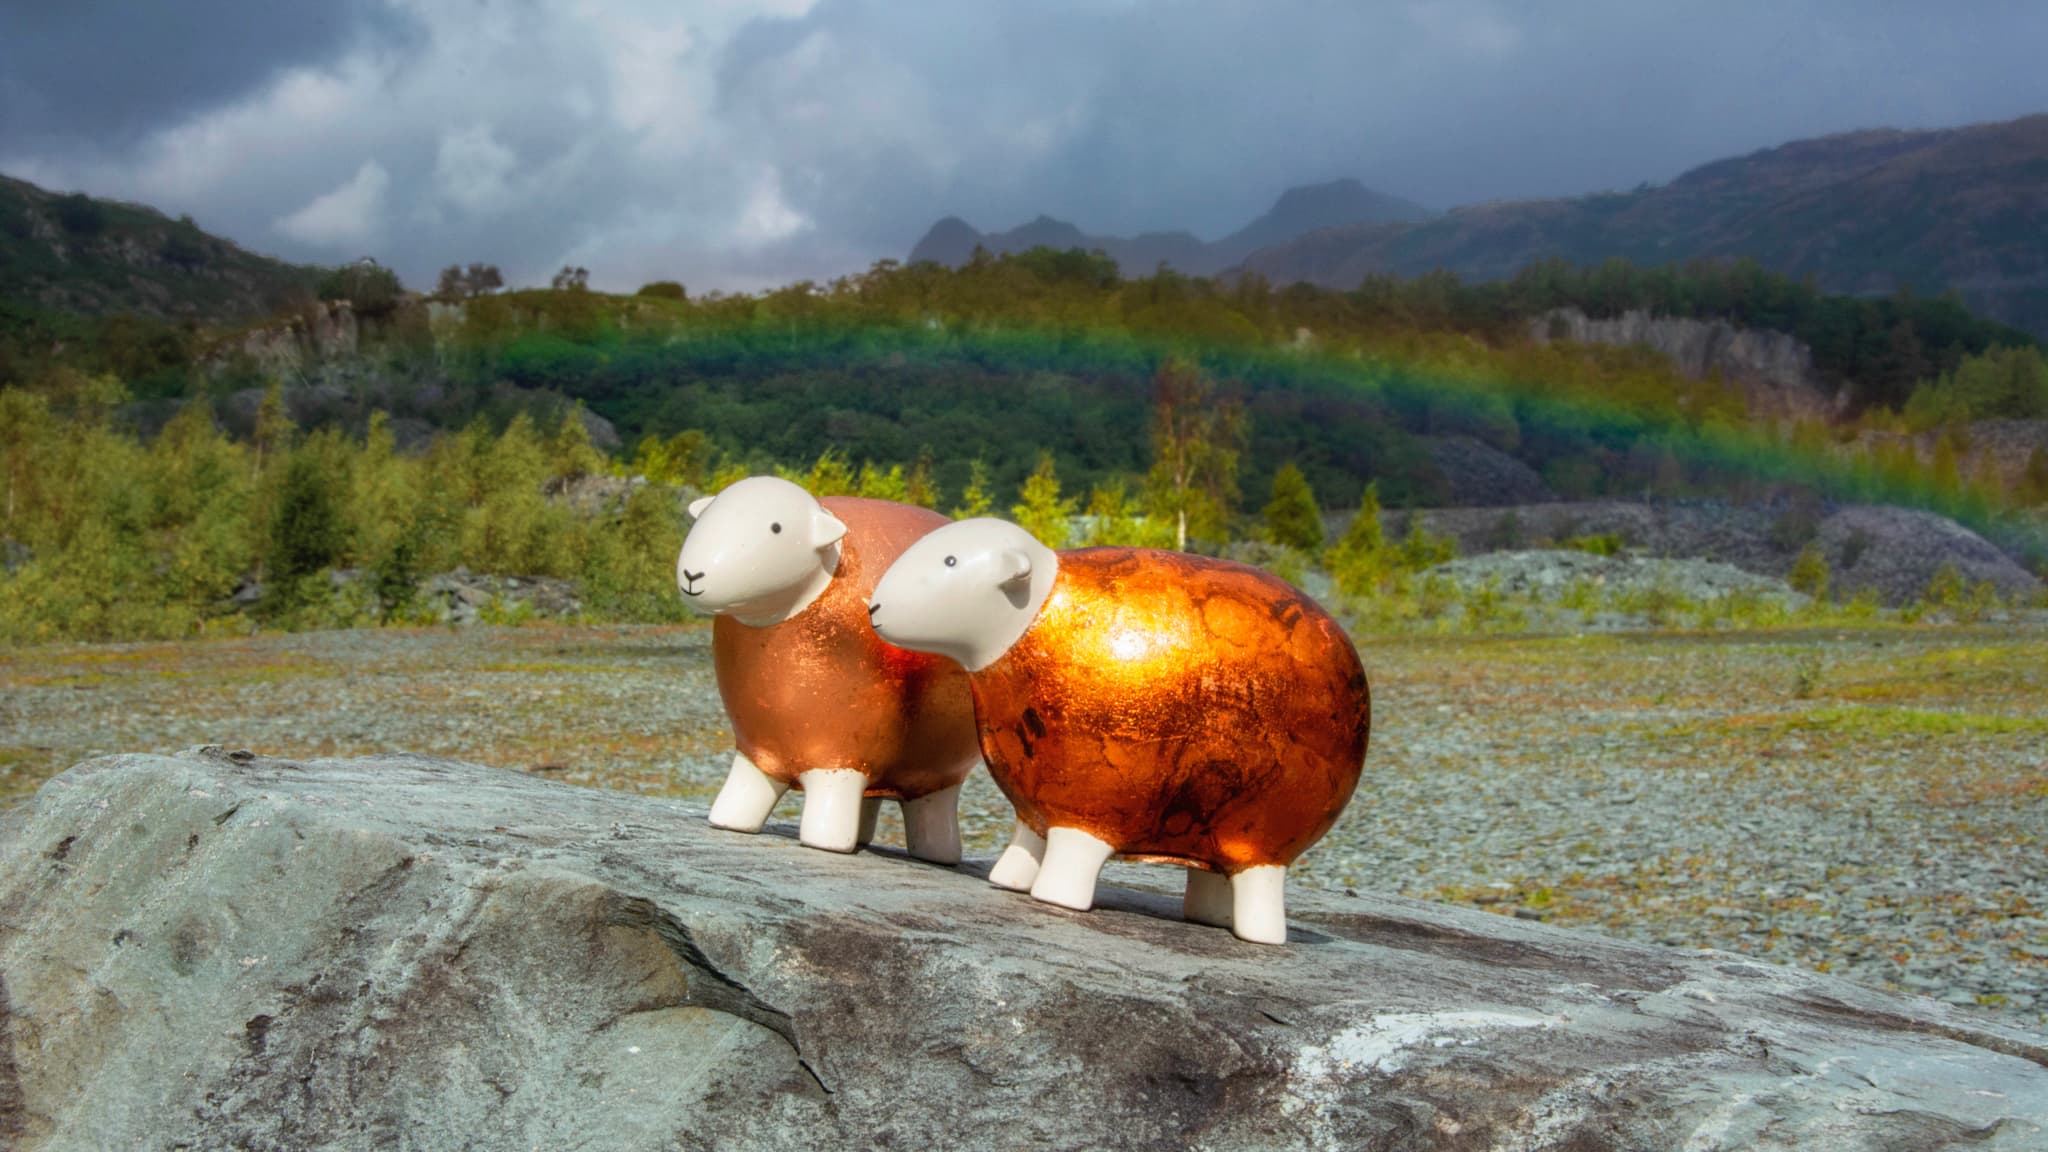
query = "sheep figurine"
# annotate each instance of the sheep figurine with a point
(1149, 704)
(817, 700)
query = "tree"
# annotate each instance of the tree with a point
(24, 427)
(461, 283)
(1195, 444)
(1357, 560)
(369, 288)
(829, 476)
(1114, 520)
(1291, 515)
(974, 499)
(875, 483)
(1810, 572)
(2034, 484)
(920, 488)
(571, 279)
(664, 290)
(81, 215)
(1947, 475)
(484, 279)
(570, 452)
(273, 424)
(309, 533)
(1039, 510)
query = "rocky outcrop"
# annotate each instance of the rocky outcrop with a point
(221, 951)
(464, 597)
(1895, 552)
(327, 330)
(1774, 370)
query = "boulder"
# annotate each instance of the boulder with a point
(216, 950)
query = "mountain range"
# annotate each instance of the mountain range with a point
(1861, 212)
(952, 241)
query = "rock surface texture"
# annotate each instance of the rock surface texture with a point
(222, 951)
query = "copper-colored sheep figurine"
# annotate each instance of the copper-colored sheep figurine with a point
(1149, 704)
(817, 700)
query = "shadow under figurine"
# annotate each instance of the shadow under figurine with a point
(817, 700)
(1150, 704)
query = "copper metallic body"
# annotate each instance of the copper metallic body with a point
(1177, 708)
(821, 690)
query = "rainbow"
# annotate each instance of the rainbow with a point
(1406, 387)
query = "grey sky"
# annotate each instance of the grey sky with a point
(742, 143)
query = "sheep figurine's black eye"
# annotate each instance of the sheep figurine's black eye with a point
(775, 527)
(952, 560)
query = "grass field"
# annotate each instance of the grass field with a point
(1870, 802)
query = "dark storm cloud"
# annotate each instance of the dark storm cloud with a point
(742, 144)
(111, 71)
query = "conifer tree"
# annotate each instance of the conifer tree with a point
(570, 453)
(2034, 485)
(1358, 559)
(877, 484)
(1195, 445)
(1291, 515)
(975, 499)
(920, 488)
(829, 476)
(309, 533)
(1810, 572)
(1039, 510)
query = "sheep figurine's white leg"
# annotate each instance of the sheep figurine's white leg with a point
(931, 826)
(746, 799)
(1017, 868)
(1073, 859)
(1258, 908)
(870, 812)
(1207, 900)
(832, 804)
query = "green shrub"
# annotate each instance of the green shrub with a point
(1291, 516)
(1810, 572)
(1604, 544)
(1945, 590)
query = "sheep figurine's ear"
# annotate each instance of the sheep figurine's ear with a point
(825, 529)
(1013, 567)
(698, 506)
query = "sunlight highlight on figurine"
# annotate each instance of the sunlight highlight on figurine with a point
(1150, 704)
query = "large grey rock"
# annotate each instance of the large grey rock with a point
(217, 951)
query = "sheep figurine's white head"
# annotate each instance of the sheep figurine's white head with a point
(966, 591)
(761, 551)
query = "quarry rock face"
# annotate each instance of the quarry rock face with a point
(1774, 370)
(221, 951)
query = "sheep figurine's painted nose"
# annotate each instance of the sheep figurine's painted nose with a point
(689, 580)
